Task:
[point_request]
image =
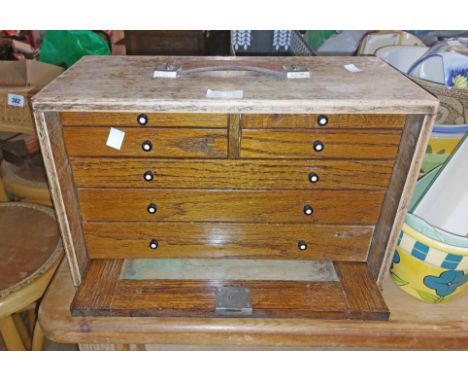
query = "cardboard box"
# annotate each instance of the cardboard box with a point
(19, 81)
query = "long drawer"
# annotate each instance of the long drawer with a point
(342, 121)
(231, 174)
(108, 119)
(316, 143)
(317, 207)
(148, 142)
(218, 240)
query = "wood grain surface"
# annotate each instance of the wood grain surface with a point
(166, 142)
(125, 83)
(196, 298)
(412, 325)
(342, 121)
(49, 132)
(300, 144)
(231, 174)
(329, 207)
(154, 119)
(220, 240)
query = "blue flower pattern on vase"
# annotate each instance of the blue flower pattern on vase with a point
(446, 283)
(395, 260)
(458, 78)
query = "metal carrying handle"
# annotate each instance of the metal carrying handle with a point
(169, 70)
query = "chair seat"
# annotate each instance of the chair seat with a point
(29, 245)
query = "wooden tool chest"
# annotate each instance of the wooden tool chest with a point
(287, 202)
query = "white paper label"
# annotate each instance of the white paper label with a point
(352, 68)
(15, 100)
(299, 75)
(224, 93)
(115, 138)
(163, 74)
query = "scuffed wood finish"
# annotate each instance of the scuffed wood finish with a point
(361, 291)
(124, 83)
(405, 174)
(354, 207)
(412, 325)
(234, 136)
(154, 120)
(300, 144)
(222, 240)
(231, 174)
(341, 121)
(196, 298)
(166, 142)
(63, 192)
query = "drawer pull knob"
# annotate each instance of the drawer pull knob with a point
(308, 210)
(147, 146)
(142, 119)
(148, 176)
(302, 245)
(152, 208)
(153, 244)
(318, 146)
(313, 177)
(322, 120)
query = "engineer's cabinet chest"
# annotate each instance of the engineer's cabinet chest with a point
(267, 187)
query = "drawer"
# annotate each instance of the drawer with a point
(345, 121)
(148, 142)
(218, 240)
(319, 144)
(232, 174)
(317, 207)
(136, 119)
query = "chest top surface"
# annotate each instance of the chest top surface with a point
(122, 83)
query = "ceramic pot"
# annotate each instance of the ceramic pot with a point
(429, 264)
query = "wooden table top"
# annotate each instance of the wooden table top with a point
(412, 324)
(126, 83)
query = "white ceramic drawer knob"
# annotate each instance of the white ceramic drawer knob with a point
(147, 146)
(322, 120)
(149, 176)
(308, 210)
(152, 208)
(313, 177)
(302, 245)
(142, 119)
(318, 146)
(153, 244)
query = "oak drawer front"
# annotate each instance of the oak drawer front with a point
(317, 207)
(345, 121)
(318, 144)
(144, 119)
(148, 142)
(232, 174)
(127, 240)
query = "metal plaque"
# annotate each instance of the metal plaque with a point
(233, 301)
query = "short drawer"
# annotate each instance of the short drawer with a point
(319, 144)
(316, 207)
(144, 119)
(148, 142)
(219, 240)
(231, 174)
(342, 121)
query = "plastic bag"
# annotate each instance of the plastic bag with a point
(64, 48)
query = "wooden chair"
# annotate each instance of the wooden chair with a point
(28, 185)
(30, 252)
